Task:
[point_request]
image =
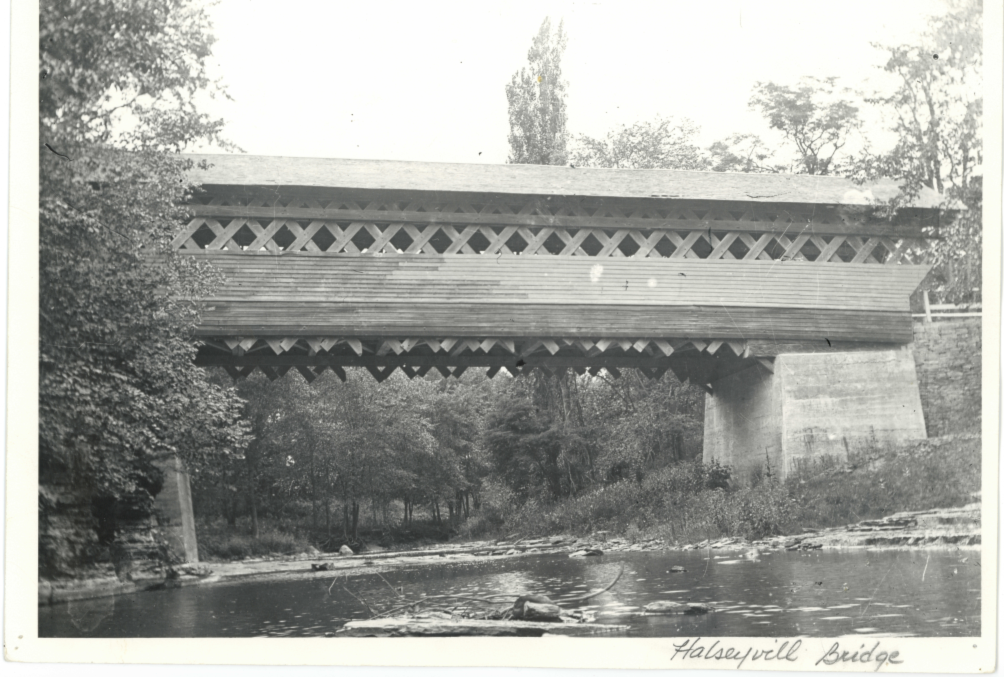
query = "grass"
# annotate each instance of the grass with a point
(218, 541)
(680, 504)
(937, 473)
(289, 536)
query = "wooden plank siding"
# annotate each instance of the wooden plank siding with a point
(364, 295)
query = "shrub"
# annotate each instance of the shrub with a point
(221, 543)
(690, 501)
(936, 473)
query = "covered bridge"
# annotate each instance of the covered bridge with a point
(786, 297)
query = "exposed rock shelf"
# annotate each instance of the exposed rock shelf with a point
(443, 627)
(941, 528)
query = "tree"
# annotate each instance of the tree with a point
(812, 116)
(745, 153)
(937, 114)
(645, 423)
(536, 95)
(525, 448)
(118, 390)
(938, 105)
(662, 143)
(126, 73)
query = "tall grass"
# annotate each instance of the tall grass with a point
(687, 502)
(218, 541)
(936, 473)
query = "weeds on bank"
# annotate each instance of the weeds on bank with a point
(939, 473)
(690, 502)
(217, 541)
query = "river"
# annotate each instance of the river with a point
(820, 594)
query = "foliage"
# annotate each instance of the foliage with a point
(126, 73)
(742, 153)
(936, 473)
(688, 502)
(118, 389)
(937, 114)
(337, 447)
(536, 96)
(937, 107)
(812, 116)
(219, 543)
(524, 448)
(684, 500)
(644, 424)
(662, 143)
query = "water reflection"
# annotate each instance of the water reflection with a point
(782, 594)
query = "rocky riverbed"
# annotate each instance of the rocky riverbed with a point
(944, 528)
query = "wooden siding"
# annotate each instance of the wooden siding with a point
(560, 296)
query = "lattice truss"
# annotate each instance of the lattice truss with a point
(276, 356)
(536, 227)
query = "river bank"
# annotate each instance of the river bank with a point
(948, 528)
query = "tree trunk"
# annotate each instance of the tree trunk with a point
(255, 530)
(252, 462)
(345, 520)
(230, 506)
(313, 494)
(355, 522)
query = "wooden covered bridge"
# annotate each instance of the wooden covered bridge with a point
(786, 297)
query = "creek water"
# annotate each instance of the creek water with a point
(822, 594)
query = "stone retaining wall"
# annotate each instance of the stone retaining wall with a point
(949, 358)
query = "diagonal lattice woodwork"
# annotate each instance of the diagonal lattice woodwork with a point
(311, 356)
(535, 227)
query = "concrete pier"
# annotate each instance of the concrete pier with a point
(812, 405)
(173, 513)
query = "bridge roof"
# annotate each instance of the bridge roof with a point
(259, 170)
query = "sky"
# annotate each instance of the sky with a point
(426, 80)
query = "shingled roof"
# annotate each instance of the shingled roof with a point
(261, 170)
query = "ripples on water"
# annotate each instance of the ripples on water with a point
(825, 594)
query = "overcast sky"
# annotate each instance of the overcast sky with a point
(426, 81)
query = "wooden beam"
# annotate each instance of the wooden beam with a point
(772, 349)
(378, 362)
(867, 228)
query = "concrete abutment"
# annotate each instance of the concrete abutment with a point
(813, 407)
(173, 512)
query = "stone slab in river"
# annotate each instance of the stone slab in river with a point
(409, 627)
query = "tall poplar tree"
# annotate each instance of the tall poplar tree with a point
(536, 94)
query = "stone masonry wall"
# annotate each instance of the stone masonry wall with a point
(949, 361)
